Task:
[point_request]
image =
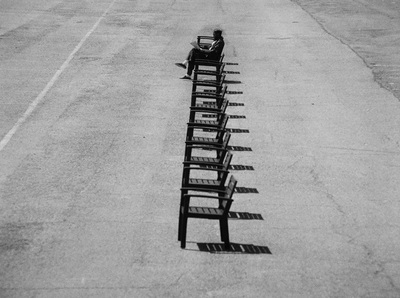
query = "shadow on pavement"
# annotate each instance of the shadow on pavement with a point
(236, 248)
(244, 215)
(232, 82)
(226, 81)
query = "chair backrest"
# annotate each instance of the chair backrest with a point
(221, 69)
(221, 58)
(230, 189)
(222, 130)
(225, 142)
(221, 115)
(223, 175)
(221, 118)
(223, 91)
(224, 106)
(221, 97)
(224, 122)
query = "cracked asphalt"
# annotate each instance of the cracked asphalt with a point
(370, 28)
(92, 129)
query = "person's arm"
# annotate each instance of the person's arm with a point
(217, 48)
(206, 50)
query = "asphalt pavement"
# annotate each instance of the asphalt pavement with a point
(92, 130)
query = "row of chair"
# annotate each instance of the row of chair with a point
(206, 191)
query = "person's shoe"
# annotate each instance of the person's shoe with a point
(186, 77)
(181, 65)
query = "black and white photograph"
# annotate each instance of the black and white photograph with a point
(200, 148)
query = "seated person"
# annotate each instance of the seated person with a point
(213, 52)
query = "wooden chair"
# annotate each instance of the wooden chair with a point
(207, 161)
(220, 104)
(197, 118)
(196, 178)
(191, 181)
(212, 100)
(210, 62)
(220, 213)
(219, 121)
(193, 177)
(206, 64)
(211, 149)
(210, 95)
(218, 73)
(202, 84)
(200, 135)
(201, 111)
(203, 67)
(207, 150)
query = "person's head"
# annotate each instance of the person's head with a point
(217, 34)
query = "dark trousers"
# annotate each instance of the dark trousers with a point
(197, 54)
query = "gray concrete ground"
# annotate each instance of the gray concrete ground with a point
(92, 128)
(370, 28)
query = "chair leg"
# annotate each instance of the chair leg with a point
(225, 232)
(183, 231)
(220, 201)
(180, 224)
(188, 153)
(222, 229)
(180, 215)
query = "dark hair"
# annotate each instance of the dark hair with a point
(218, 32)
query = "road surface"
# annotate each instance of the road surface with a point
(92, 129)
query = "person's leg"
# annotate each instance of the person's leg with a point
(193, 55)
(190, 61)
(185, 64)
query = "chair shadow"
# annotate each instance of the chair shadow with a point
(232, 82)
(226, 81)
(236, 248)
(244, 215)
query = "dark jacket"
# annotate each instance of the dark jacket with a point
(216, 49)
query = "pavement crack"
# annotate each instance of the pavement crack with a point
(378, 80)
(318, 182)
(380, 268)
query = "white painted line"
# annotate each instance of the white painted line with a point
(50, 84)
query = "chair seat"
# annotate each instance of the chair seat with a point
(203, 94)
(207, 122)
(205, 211)
(205, 159)
(204, 182)
(204, 139)
(207, 72)
(207, 106)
